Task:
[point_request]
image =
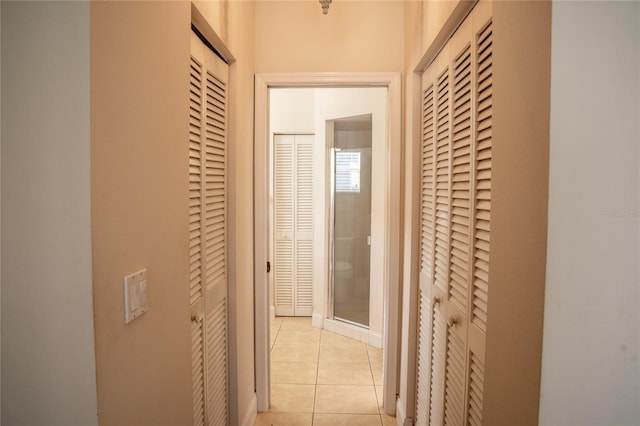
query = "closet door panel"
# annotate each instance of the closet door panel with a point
(208, 234)
(215, 244)
(423, 379)
(482, 195)
(196, 281)
(442, 177)
(284, 202)
(475, 391)
(427, 184)
(455, 377)
(461, 180)
(304, 225)
(197, 368)
(293, 220)
(216, 350)
(283, 269)
(455, 190)
(438, 360)
(427, 202)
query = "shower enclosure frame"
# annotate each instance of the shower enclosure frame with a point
(393, 219)
(331, 312)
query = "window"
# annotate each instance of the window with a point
(347, 171)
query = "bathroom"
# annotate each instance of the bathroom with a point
(348, 130)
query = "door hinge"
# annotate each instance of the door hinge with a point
(268, 266)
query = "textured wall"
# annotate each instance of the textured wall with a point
(139, 52)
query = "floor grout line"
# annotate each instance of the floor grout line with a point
(315, 394)
(322, 342)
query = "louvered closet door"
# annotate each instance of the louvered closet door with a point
(454, 244)
(208, 243)
(481, 206)
(284, 224)
(459, 254)
(304, 225)
(433, 242)
(293, 220)
(195, 236)
(427, 191)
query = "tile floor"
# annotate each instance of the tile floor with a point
(319, 378)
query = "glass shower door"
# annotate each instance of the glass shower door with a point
(351, 220)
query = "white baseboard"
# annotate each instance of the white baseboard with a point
(401, 419)
(272, 312)
(317, 320)
(251, 412)
(375, 339)
(354, 332)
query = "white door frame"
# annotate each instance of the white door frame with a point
(393, 219)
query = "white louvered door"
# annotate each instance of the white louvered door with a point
(283, 195)
(293, 220)
(207, 239)
(304, 225)
(454, 239)
(483, 130)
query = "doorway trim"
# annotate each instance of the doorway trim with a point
(393, 219)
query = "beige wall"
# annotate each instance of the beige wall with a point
(240, 21)
(139, 208)
(358, 36)
(434, 14)
(520, 167)
(48, 359)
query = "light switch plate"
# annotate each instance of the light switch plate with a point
(135, 295)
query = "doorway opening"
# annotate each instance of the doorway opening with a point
(329, 301)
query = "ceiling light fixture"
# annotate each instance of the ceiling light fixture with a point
(325, 6)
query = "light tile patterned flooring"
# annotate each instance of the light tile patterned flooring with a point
(319, 378)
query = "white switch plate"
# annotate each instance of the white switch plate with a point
(136, 301)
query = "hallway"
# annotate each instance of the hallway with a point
(321, 378)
